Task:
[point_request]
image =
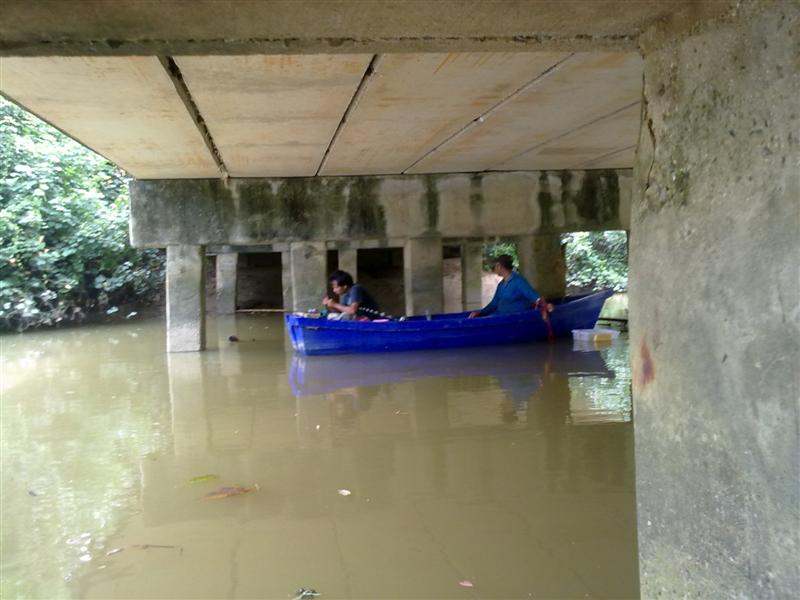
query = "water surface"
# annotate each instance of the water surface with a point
(510, 469)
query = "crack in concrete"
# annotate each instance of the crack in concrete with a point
(175, 75)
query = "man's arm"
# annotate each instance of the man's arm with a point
(489, 308)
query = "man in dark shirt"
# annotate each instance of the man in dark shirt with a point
(354, 300)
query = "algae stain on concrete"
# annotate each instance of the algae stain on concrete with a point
(431, 203)
(295, 208)
(365, 215)
(545, 200)
(476, 200)
(598, 199)
(257, 210)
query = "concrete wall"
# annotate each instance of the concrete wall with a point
(262, 211)
(715, 322)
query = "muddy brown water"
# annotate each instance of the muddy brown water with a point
(498, 473)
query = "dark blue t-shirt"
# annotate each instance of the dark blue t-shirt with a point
(362, 296)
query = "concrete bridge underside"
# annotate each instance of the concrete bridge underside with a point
(425, 108)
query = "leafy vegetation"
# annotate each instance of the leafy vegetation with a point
(595, 259)
(64, 248)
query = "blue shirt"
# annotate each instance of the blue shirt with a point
(366, 303)
(514, 295)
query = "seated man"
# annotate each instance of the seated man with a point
(354, 300)
(514, 293)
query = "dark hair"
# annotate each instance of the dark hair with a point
(341, 278)
(505, 261)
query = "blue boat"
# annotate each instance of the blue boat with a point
(313, 336)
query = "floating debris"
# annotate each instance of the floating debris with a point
(32, 493)
(229, 491)
(344, 492)
(305, 594)
(233, 338)
(132, 314)
(112, 310)
(466, 583)
(204, 478)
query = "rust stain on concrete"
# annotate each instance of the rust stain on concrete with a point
(646, 371)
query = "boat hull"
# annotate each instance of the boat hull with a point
(312, 336)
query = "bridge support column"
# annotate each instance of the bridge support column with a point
(226, 280)
(348, 261)
(422, 275)
(541, 261)
(307, 264)
(186, 300)
(471, 276)
(715, 325)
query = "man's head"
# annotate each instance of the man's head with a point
(340, 281)
(503, 265)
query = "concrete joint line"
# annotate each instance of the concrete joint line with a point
(565, 134)
(588, 164)
(554, 68)
(368, 76)
(175, 75)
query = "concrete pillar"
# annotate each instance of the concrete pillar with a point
(471, 276)
(307, 261)
(286, 281)
(226, 282)
(186, 299)
(422, 275)
(187, 387)
(542, 262)
(715, 324)
(348, 261)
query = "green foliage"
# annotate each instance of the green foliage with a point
(64, 248)
(597, 259)
(492, 251)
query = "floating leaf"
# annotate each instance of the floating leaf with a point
(466, 583)
(227, 492)
(204, 478)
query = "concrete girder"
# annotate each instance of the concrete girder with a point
(204, 27)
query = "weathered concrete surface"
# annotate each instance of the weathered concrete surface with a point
(348, 261)
(308, 274)
(471, 276)
(272, 115)
(126, 109)
(542, 262)
(186, 298)
(226, 282)
(413, 102)
(715, 318)
(264, 211)
(576, 95)
(174, 27)
(422, 275)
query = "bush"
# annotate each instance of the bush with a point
(597, 259)
(64, 248)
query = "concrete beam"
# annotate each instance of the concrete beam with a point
(715, 323)
(175, 27)
(471, 276)
(226, 282)
(542, 262)
(423, 276)
(241, 212)
(186, 298)
(308, 274)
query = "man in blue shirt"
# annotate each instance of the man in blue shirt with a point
(354, 300)
(514, 293)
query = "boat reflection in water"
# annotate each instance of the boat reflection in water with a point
(518, 369)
